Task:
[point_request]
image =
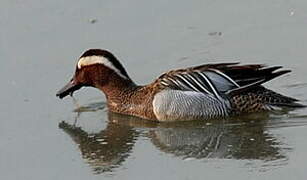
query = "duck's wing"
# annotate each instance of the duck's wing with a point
(220, 79)
(216, 90)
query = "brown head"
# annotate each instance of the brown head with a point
(96, 68)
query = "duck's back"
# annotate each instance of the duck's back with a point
(217, 90)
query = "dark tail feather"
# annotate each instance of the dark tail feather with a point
(289, 105)
(265, 96)
(253, 85)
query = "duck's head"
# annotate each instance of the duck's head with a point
(95, 68)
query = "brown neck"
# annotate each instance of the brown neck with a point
(117, 88)
(125, 97)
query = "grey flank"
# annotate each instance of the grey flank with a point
(188, 105)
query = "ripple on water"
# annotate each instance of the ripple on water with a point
(247, 138)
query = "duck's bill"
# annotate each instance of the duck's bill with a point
(68, 89)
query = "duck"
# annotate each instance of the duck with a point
(206, 91)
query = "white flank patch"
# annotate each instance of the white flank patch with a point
(90, 60)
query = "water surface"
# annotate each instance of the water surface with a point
(43, 137)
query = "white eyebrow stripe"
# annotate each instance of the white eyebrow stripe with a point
(90, 60)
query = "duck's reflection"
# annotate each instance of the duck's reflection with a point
(106, 149)
(232, 139)
(218, 140)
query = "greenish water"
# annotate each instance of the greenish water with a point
(42, 137)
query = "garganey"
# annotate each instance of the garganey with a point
(200, 92)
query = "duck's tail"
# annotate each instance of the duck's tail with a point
(260, 98)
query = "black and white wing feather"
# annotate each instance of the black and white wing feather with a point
(220, 79)
(210, 81)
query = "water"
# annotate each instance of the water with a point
(42, 137)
